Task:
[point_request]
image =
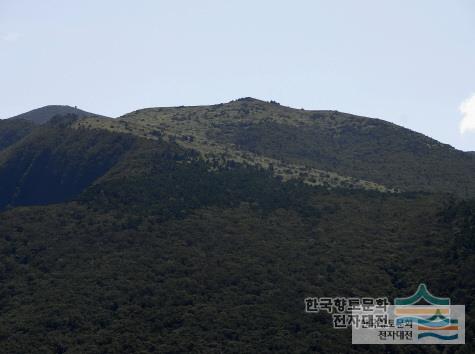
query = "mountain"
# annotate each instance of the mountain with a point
(44, 114)
(320, 148)
(203, 229)
(326, 148)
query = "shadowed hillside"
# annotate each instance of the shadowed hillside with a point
(55, 163)
(12, 131)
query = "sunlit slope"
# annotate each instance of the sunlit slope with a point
(327, 148)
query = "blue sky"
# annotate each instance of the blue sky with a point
(408, 62)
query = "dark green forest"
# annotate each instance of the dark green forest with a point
(112, 243)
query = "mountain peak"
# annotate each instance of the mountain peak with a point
(44, 114)
(248, 99)
(256, 100)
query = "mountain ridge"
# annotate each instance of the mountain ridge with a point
(322, 148)
(296, 143)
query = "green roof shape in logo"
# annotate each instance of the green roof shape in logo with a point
(422, 293)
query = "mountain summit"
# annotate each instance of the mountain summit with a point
(44, 114)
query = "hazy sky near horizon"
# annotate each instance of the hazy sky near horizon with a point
(408, 62)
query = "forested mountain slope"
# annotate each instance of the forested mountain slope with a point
(170, 230)
(12, 131)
